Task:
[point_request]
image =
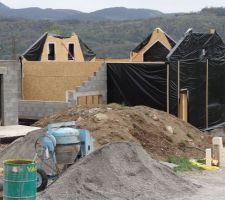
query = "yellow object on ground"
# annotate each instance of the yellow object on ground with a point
(203, 166)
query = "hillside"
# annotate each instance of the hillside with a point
(117, 13)
(121, 13)
(106, 38)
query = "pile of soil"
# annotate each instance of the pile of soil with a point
(158, 132)
(120, 170)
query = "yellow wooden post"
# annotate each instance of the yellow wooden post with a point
(183, 105)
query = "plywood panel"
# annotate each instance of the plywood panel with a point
(49, 81)
(100, 99)
(89, 100)
(82, 101)
(61, 49)
(95, 102)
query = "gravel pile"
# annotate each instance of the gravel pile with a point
(120, 170)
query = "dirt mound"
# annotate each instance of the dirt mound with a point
(159, 133)
(120, 170)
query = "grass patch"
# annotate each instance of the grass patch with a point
(183, 163)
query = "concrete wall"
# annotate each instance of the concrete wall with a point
(10, 71)
(39, 109)
(49, 81)
(95, 86)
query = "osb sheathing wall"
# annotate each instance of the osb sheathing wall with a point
(114, 60)
(157, 35)
(61, 49)
(48, 81)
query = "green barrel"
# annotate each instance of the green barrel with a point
(20, 178)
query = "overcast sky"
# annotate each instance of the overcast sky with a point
(92, 5)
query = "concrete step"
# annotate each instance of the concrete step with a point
(84, 83)
(90, 78)
(76, 89)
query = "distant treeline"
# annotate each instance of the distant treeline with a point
(216, 11)
(107, 38)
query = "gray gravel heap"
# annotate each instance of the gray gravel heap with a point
(117, 171)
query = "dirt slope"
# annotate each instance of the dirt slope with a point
(159, 133)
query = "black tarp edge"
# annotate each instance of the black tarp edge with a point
(87, 52)
(33, 53)
(146, 40)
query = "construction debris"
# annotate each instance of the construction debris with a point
(120, 170)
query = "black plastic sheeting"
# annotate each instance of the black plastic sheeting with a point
(217, 90)
(87, 52)
(193, 78)
(34, 52)
(157, 53)
(146, 84)
(142, 44)
(192, 54)
(137, 84)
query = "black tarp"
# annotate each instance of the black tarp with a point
(87, 52)
(217, 89)
(192, 55)
(156, 53)
(137, 84)
(142, 44)
(189, 61)
(34, 52)
(192, 77)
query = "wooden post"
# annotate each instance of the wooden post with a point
(208, 157)
(168, 88)
(178, 86)
(207, 93)
(183, 105)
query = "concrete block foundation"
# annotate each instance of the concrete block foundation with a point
(9, 92)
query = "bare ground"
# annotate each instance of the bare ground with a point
(211, 185)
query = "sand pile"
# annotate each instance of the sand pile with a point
(21, 148)
(117, 171)
(159, 133)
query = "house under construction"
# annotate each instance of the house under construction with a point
(154, 48)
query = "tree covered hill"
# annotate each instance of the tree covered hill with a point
(115, 13)
(106, 38)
